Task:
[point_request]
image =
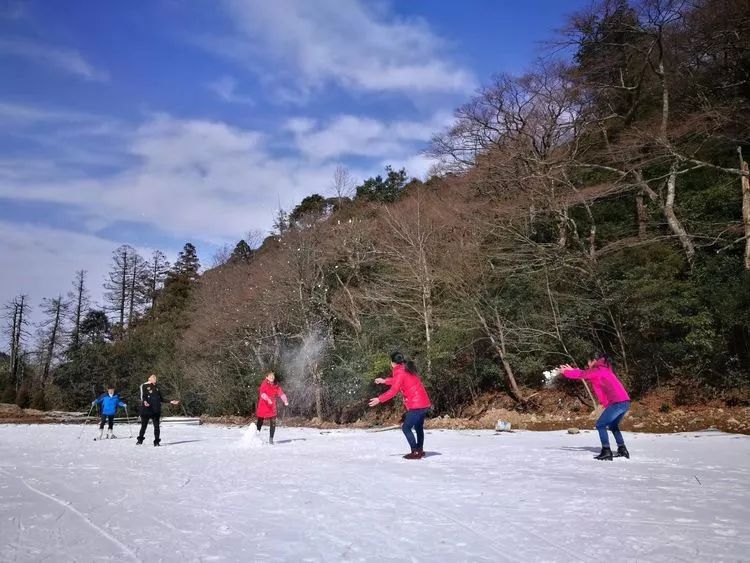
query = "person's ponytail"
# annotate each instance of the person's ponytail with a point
(409, 365)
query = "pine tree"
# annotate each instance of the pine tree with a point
(242, 253)
(158, 268)
(187, 265)
(137, 286)
(79, 301)
(384, 190)
(95, 326)
(117, 283)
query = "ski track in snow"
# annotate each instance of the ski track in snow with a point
(214, 494)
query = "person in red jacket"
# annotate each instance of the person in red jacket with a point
(267, 394)
(406, 380)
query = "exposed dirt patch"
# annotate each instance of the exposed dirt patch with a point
(553, 410)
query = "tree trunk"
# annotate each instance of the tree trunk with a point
(427, 315)
(668, 209)
(745, 208)
(562, 240)
(123, 289)
(17, 345)
(672, 219)
(317, 378)
(79, 310)
(640, 206)
(133, 282)
(498, 344)
(12, 363)
(664, 100)
(52, 341)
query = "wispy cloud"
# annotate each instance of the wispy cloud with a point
(208, 179)
(60, 58)
(226, 89)
(347, 42)
(351, 135)
(14, 113)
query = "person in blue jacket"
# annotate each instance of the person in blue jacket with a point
(109, 402)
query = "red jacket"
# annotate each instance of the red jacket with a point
(267, 399)
(415, 396)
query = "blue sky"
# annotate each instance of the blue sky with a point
(156, 123)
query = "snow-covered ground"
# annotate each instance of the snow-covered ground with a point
(349, 496)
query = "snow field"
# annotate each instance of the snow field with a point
(214, 494)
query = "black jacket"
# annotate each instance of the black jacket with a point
(151, 394)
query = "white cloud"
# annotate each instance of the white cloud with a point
(41, 261)
(350, 135)
(65, 60)
(207, 180)
(191, 178)
(226, 88)
(344, 41)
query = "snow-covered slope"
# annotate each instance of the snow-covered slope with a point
(209, 495)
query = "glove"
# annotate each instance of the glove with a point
(93, 403)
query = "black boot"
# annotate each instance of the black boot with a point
(139, 441)
(157, 443)
(606, 454)
(622, 451)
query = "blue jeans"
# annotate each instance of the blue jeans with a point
(611, 418)
(414, 419)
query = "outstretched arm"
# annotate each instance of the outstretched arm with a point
(171, 402)
(388, 395)
(572, 373)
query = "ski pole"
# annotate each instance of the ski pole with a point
(86, 421)
(127, 417)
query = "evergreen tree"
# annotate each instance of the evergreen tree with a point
(95, 326)
(79, 304)
(158, 268)
(310, 209)
(384, 190)
(242, 253)
(118, 283)
(187, 265)
(137, 287)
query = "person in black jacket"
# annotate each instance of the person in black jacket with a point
(151, 402)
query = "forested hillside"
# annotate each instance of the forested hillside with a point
(600, 200)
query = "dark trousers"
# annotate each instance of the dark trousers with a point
(611, 418)
(144, 423)
(108, 419)
(414, 420)
(271, 422)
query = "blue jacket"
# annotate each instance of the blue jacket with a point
(110, 404)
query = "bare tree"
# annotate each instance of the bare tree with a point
(79, 300)
(16, 313)
(745, 208)
(51, 333)
(343, 184)
(221, 256)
